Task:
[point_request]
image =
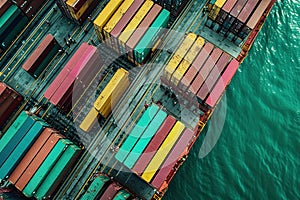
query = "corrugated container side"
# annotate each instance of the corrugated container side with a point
(15, 140)
(247, 10)
(4, 5)
(123, 22)
(58, 172)
(258, 13)
(141, 30)
(21, 149)
(8, 17)
(180, 148)
(89, 121)
(205, 70)
(110, 192)
(95, 188)
(238, 8)
(229, 5)
(35, 148)
(145, 139)
(219, 88)
(38, 160)
(122, 195)
(163, 151)
(136, 132)
(213, 76)
(65, 71)
(44, 168)
(154, 144)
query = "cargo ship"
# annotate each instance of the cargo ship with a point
(105, 99)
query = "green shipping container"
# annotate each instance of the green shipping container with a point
(146, 43)
(145, 139)
(45, 167)
(136, 132)
(95, 188)
(122, 195)
(21, 149)
(13, 129)
(8, 17)
(16, 139)
(57, 172)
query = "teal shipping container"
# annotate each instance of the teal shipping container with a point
(145, 139)
(21, 149)
(122, 195)
(136, 132)
(95, 188)
(45, 167)
(57, 172)
(144, 46)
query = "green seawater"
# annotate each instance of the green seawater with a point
(258, 153)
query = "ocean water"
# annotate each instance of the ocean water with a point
(258, 153)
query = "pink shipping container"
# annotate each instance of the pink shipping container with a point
(219, 88)
(247, 10)
(64, 72)
(213, 76)
(238, 8)
(180, 148)
(229, 5)
(154, 144)
(258, 13)
(205, 70)
(110, 192)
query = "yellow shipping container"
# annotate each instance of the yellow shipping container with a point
(179, 55)
(163, 151)
(79, 13)
(112, 93)
(216, 9)
(133, 24)
(187, 61)
(105, 15)
(90, 119)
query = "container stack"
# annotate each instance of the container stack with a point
(12, 22)
(30, 7)
(77, 73)
(132, 28)
(34, 157)
(77, 10)
(41, 56)
(155, 147)
(175, 7)
(9, 101)
(235, 19)
(108, 99)
(197, 69)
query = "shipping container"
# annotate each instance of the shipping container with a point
(43, 168)
(247, 10)
(114, 34)
(141, 30)
(28, 158)
(78, 7)
(216, 9)
(196, 66)
(133, 24)
(220, 86)
(41, 56)
(8, 17)
(136, 132)
(89, 121)
(205, 70)
(110, 192)
(213, 76)
(30, 7)
(13, 129)
(179, 55)
(4, 5)
(145, 139)
(238, 8)
(180, 149)
(58, 172)
(150, 38)
(154, 144)
(122, 195)
(112, 93)
(95, 188)
(21, 149)
(115, 19)
(15, 139)
(258, 13)
(65, 71)
(105, 15)
(37, 161)
(163, 151)
(229, 5)
(187, 61)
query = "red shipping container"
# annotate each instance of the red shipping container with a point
(219, 88)
(30, 7)
(180, 148)
(110, 192)
(247, 10)
(238, 7)
(154, 144)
